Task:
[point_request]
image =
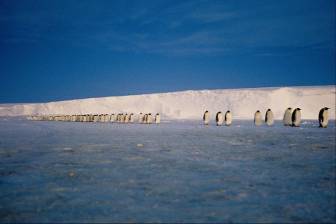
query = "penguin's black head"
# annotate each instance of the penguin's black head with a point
(228, 111)
(268, 109)
(150, 114)
(326, 108)
(258, 110)
(298, 108)
(206, 111)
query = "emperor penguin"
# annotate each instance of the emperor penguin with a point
(219, 118)
(149, 118)
(112, 118)
(140, 118)
(121, 116)
(257, 118)
(95, 118)
(144, 119)
(269, 117)
(323, 117)
(296, 117)
(91, 117)
(228, 118)
(206, 117)
(126, 118)
(287, 119)
(107, 118)
(157, 118)
(130, 118)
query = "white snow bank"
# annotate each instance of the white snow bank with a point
(192, 104)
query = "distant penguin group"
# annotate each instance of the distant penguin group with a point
(220, 118)
(112, 118)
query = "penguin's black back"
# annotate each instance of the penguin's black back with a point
(293, 115)
(321, 115)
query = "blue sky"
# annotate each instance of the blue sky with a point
(57, 50)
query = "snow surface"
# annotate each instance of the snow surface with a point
(192, 104)
(173, 172)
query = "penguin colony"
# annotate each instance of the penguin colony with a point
(291, 118)
(115, 118)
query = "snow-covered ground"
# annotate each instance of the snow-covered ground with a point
(192, 104)
(178, 171)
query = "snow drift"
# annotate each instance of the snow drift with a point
(191, 104)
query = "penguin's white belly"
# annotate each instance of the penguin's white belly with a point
(206, 119)
(220, 119)
(287, 118)
(258, 119)
(157, 119)
(324, 122)
(297, 119)
(269, 118)
(228, 120)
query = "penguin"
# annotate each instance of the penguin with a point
(126, 118)
(323, 117)
(219, 118)
(149, 118)
(91, 117)
(157, 118)
(269, 117)
(287, 119)
(296, 117)
(144, 119)
(107, 118)
(206, 117)
(257, 118)
(140, 118)
(95, 118)
(228, 118)
(130, 118)
(112, 118)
